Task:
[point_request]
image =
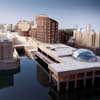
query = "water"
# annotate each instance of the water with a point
(30, 82)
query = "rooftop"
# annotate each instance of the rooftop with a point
(57, 50)
(63, 54)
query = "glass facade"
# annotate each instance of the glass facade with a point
(84, 55)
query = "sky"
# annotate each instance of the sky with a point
(69, 13)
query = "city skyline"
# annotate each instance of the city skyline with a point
(68, 13)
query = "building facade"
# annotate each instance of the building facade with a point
(23, 27)
(46, 30)
(6, 50)
(65, 35)
(7, 28)
(33, 31)
(87, 38)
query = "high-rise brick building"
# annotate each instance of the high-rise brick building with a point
(46, 29)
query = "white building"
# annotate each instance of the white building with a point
(87, 38)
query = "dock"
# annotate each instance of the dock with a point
(64, 69)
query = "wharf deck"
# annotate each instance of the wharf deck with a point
(68, 69)
(44, 58)
(64, 68)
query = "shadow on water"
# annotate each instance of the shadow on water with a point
(42, 76)
(21, 51)
(91, 94)
(7, 77)
(80, 94)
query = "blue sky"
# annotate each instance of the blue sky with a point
(68, 13)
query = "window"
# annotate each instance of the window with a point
(80, 75)
(89, 73)
(72, 76)
(97, 72)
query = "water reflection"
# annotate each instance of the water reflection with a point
(92, 94)
(7, 78)
(42, 76)
(86, 94)
(32, 83)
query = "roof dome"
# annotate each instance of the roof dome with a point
(85, 55)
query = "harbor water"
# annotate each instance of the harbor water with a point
(30, 82)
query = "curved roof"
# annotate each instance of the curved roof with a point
(84, 55)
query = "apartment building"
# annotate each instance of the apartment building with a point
(45, 30)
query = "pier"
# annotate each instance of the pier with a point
(64, 69)
(65, 72)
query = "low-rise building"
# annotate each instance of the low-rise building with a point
(6, 50)
(76, 68)
(8, 56)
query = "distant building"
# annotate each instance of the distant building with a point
(3, 28)
(87, 38)
(65, 35)
(23, 27)
(11, 28)
(33, 31)
(6, 50)
(46, 30)
(7, 28)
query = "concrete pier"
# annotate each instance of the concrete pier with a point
(63, 68)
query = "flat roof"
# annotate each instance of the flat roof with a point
(71, 64)
(64, 53)
(57, 50)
